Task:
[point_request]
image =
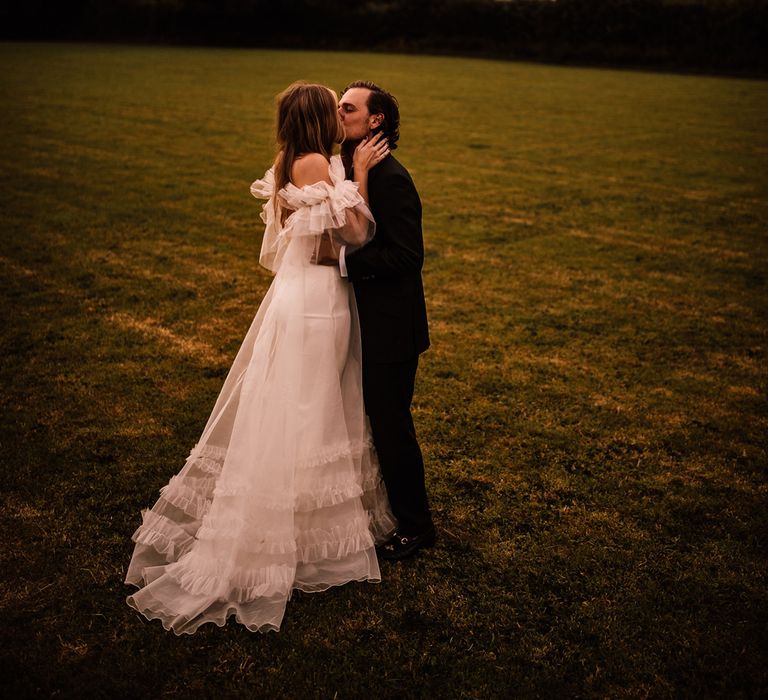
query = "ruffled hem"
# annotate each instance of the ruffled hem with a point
(351, 449)
(211, 579)
(279, 561)
(216, 612)
(306, 500)
(239, 586)
(207, 458)
(210, 458)
(186, 498)
(306, 545)
(163, 535)
(249, 614)
(172, 541)
(193, 495)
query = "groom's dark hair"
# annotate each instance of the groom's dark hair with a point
(381, 102)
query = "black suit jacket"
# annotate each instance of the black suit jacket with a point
(387, 272)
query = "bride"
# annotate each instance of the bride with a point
(282, 490)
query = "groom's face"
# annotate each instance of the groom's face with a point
(353, 110)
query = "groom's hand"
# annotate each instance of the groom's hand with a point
(326, 252)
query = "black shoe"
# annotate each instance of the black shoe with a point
(401, 546)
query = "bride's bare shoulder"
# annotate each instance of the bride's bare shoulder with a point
(309, 169)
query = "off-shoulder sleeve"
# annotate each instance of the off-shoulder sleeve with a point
(265, 187)
(270, 244)
(336, 207)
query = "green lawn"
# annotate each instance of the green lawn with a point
(593, 410)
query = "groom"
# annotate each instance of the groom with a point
(386, 275)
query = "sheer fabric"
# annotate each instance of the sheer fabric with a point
(282, 490)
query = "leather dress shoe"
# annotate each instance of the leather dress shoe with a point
(401, 546)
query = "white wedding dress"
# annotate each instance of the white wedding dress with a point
(283, 489)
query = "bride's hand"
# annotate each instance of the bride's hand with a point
(369, 152)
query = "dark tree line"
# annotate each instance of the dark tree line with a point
(729, 35)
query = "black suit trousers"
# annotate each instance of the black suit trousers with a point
(388, 392)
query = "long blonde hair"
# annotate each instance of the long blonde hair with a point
(307, 122)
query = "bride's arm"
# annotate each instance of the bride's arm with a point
(357, 228)
(368, 153)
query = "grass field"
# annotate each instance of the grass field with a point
(593, 410)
